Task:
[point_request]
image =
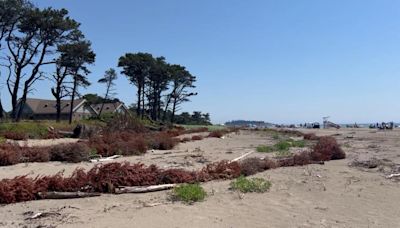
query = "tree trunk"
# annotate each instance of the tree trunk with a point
(173, 111)
(22, 104)
(72, 100)
(167, 104)
(155, 104)
(58, 109)
(57, 95)
(1, 110)
(105, 98)
(143, 96)
(14, 94)
(139, 101)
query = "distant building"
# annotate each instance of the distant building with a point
(40, 109)
(116, 107)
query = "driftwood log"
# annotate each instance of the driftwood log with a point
(67, 195)
(153, 188)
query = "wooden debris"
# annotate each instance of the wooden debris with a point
(42, 215)
(241, 157)
(106, 159)
(393, 175)
(153, 188)
(67, 195)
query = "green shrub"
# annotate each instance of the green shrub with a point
(300, 143)
(283, 145)
(265, 149)
(189, 193)
(245, 185)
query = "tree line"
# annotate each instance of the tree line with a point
(32, 38)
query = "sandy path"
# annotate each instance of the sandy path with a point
(330, 195)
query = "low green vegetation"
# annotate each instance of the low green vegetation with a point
(265, 149)
(30, 128)
(189, 193)
(245, 185)
(39, 129)
(283, 145)
(210, 127)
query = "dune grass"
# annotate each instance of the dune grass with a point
(281, 146)
(189, 193)
(246, 185)
(265, 149)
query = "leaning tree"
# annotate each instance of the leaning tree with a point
(109, 80)
(182, 82)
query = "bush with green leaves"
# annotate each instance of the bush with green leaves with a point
(245, 185)
(265, 149)
(283, 145)
(299, 143)
(189, 193)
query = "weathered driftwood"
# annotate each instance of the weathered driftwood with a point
(393, 175)
(67, 195)
(106, 159)
(66, 133)
(153, 188)
(43, 215)
(241, 157)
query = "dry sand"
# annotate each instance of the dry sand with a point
(330, 195)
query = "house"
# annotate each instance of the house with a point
(116, 107)
(40, 109)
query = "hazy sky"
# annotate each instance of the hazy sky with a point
(279, 61)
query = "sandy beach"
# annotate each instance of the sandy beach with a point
(336, 194)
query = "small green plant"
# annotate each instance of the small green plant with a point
(283, 145)
(300, 143)
(189, 193)
(245, 185)
(2, 140)
(265, 149)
